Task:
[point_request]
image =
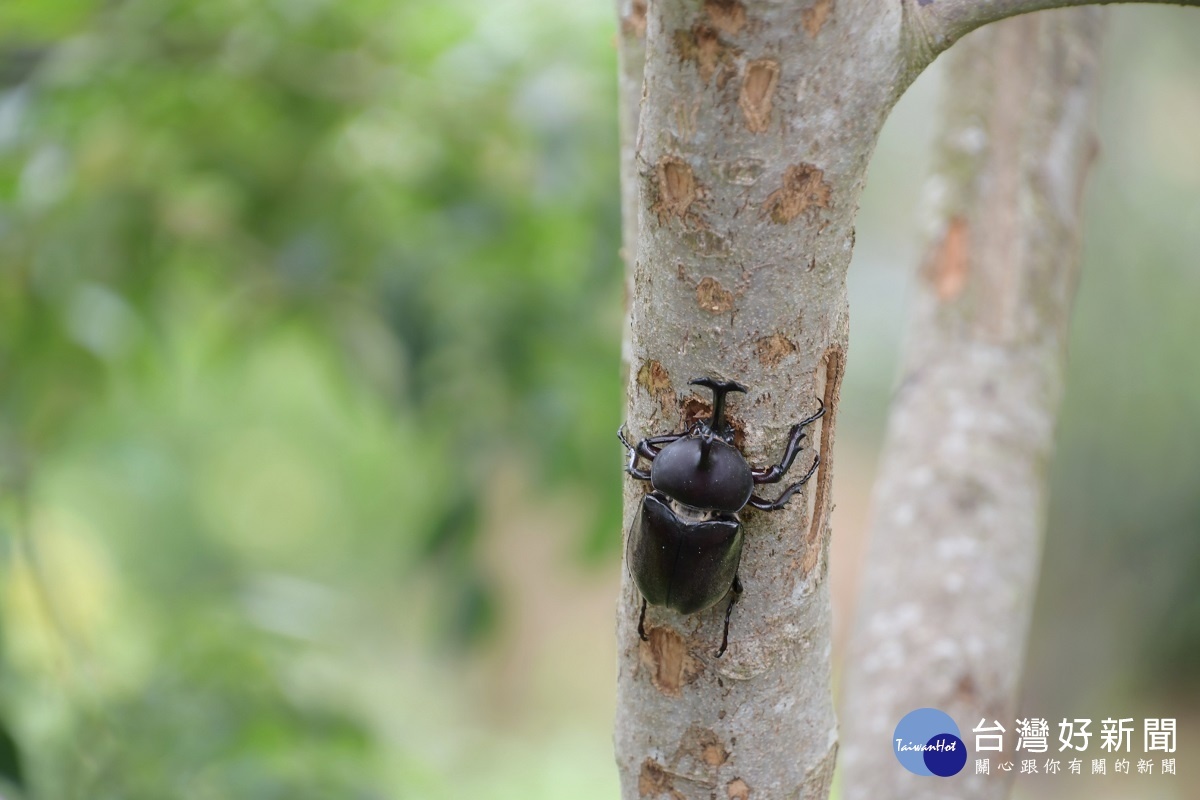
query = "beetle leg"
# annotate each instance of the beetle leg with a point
(649, 448)
(646, 448)
(774, 505)
(642, 623)
(737, 592)
(631, 467)
(621, 436)
(773, 474)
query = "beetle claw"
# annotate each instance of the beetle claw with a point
(737, 592)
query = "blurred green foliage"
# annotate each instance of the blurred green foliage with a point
(284, 285)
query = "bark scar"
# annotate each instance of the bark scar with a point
(677, 190)
(773, 349)
(804, 189)
(948, 269)
(737, 789)
(654, 780)
(703, 46)
(712, 296)
(815, 16)
(671, 665)
(758, 93)
(727, 16)
(704, 746)
(654, 378)
(834, 361)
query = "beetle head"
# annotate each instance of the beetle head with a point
(717, 425)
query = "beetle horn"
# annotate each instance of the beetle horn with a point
(719, 390)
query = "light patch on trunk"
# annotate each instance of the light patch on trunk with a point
(814, 16)
(666, 657)
(949, 267)
(727, 16)
(804, 189)
(712, 296)
(757, 94)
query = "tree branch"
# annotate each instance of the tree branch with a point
(958, 507)
(931, 26)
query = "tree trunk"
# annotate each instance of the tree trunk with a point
(751, 155)
(958, 506)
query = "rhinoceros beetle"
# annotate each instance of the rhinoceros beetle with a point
(685, 544)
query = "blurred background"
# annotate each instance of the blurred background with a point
(310, 321)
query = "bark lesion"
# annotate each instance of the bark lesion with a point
(803, 192)
(703, 45)
(713, 297)
(666, 657)
(834, 364)
(815, 16)
(676, 192)
(654, 378)
(727, 16)
(757, 93)
(948, 268)
(773, 349)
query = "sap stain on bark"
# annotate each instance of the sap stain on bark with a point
(666, 657)
(757, 94)
(948, 267)
(703, 45)
(727, 16)
(634, 23)
(654, 781)
(804, 190)
(737, 789)
(677, 190)
(712, 296)
(814, 17)
(773, 349)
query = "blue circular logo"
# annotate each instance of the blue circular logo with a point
(926, 742)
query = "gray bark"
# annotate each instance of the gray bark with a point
(958, 506)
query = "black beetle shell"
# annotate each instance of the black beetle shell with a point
(682, 564)
(723, 483)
